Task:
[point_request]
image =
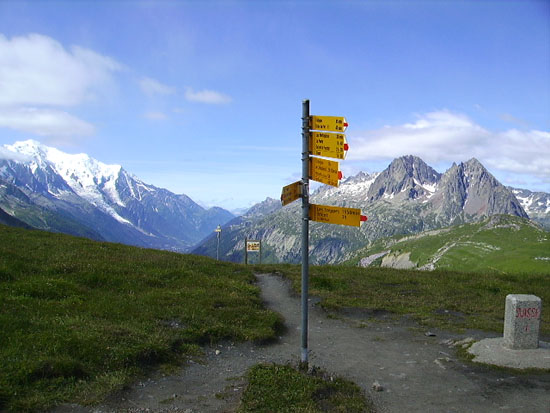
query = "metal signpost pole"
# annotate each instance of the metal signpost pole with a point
(305, 227)
(218, 232)
(327, 144)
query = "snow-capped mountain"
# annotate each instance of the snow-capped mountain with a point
(354, 188)
(536, 204)
(86, 177)
(408, 197)
(53, 190)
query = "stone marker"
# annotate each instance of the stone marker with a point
(522, 321)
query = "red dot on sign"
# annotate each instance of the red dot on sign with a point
(346, 146)
(340, 175)
(363, 218)
(346, 124)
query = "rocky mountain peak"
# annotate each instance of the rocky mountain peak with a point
(407, 177)
(268, 206)
(536, 204)
(406, 198)
(468, 191)
(360, 177)
(473, 163)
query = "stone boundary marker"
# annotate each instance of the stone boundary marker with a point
(522, 321)
(520, 347)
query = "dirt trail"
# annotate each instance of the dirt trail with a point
(418, 373)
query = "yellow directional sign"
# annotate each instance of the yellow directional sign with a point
(291, 193)
(331, 145)
(253, 246)
(336, 215)
(325, 171)
(328, 123)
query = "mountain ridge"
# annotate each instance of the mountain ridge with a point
(100, 198)
(49, 189)
(408, 197)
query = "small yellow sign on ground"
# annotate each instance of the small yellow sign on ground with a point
(291, 193)
(335, 215)
(328, 123)
(330, 145)
(325, 171)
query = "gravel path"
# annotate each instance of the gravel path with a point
(418, 371)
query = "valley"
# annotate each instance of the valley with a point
(44, 188)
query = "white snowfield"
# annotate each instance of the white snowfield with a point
(89, 178)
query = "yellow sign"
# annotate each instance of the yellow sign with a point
(336, 215)
(325, 171)
(253, 246)
(331, 145)
(291, 193)
(328, 123)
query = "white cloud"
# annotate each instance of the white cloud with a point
(38, 76)
(44, 122)
(521, 152)
(5, 153)
(207, 96)
(153, 87)
(38, 70)
(444, 137)
(155, 116)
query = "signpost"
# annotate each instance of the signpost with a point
(305, 227)
(291, 193)
(218, 231)
(329, 145)
(329, 123)
(336, 215)
(252, 245)
(316, 141)
(325, 171)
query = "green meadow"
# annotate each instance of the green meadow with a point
(445, 299)
(501, 244)
(81, 319)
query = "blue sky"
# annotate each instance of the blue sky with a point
(204, 97)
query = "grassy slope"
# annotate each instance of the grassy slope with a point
(277, 388)
(446, 299)
(81, 318)
(511, 247)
